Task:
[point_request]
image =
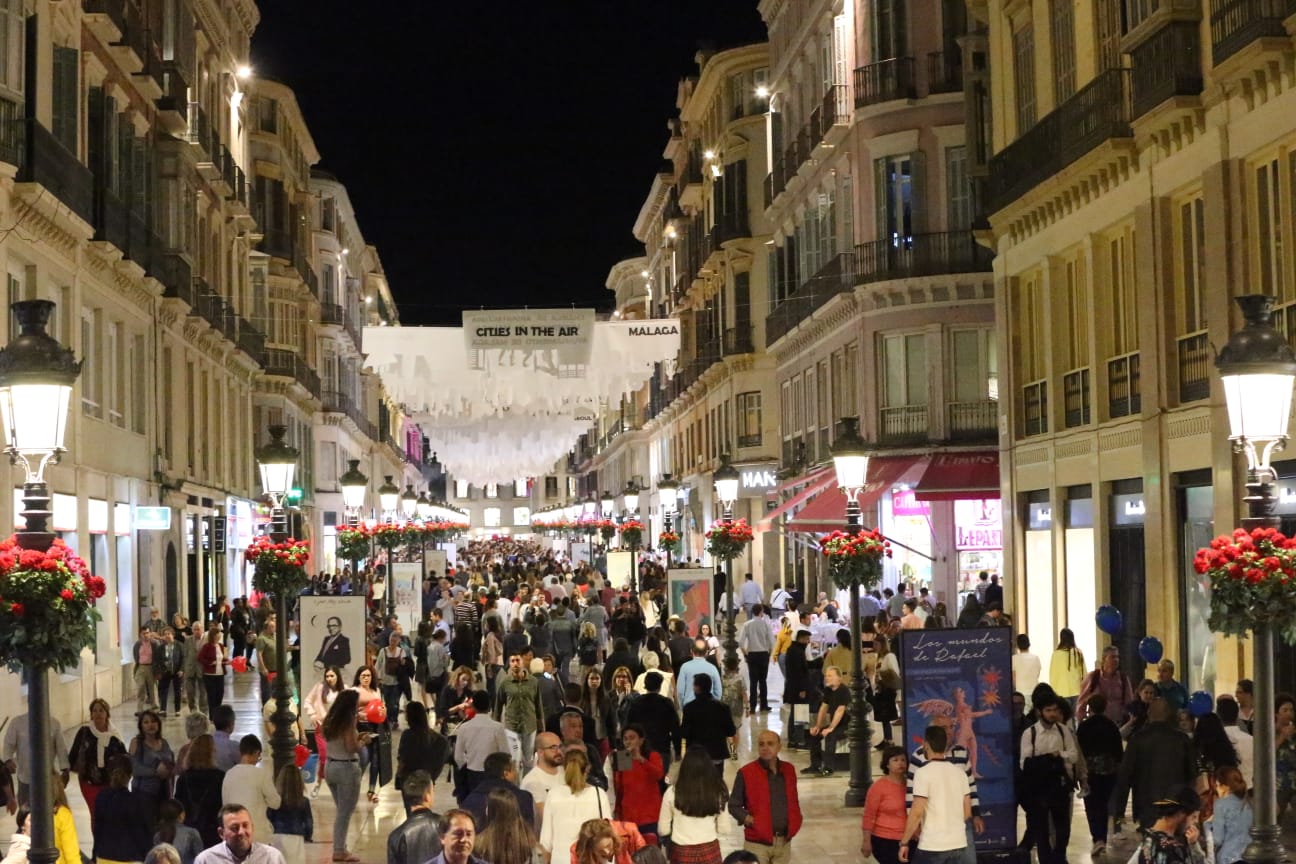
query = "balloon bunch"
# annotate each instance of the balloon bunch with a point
(1109, 621)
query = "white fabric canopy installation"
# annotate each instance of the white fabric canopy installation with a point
(501, 397)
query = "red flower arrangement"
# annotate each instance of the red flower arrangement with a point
(1252, 580)
(631, 532)
(47, 606)
(353, 543)
(669, 541)
(726, 538)
(280, 568)
(855, 559)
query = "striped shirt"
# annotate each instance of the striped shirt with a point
(956, 755)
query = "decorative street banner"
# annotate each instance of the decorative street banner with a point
(568, 331)
(966, 676)
(688, 595)
(407, 582)
(332, 634)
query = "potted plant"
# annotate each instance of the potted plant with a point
(47, 606)
(727, 537)
(855, 559)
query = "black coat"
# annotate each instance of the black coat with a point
(475, 803)
(1158, 758)
(708, 724)
(415, 839)
(656, 714)
(797, 680)
(616, 659)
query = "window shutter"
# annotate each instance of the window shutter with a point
(96, 132)
(918, 191)
(881, 190)
(66, 67)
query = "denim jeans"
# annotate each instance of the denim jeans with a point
(344, 785)
(953, 856)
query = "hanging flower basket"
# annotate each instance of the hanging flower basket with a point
(47, 612)
(631, 533)
(668, 541)
(280, 568)
(855, 559)
(607, 529)
(1252, 580)
(353, 544)
(726, 538)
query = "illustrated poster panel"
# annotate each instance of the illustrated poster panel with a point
(407, 582)
(580, 553)
(618, 569)
(332, 634)
(688, 595)
(452, 555)
(966, 676)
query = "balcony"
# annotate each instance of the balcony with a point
(945, 72)
(885, 82)
(106, 18)
(1075, 398)
(752, 440)
(836, 277)
(288, 364)
(1235, 24)
(250, 340)
(1035, 408)
(337, 402)
(1167, 64)
(46, 162)
(1194, 366)
(921, 255)
(332, 313)
(834, 112)
(906, 424)
(1099, 111)
(972, 421)
(729, 226)
(1123, 399)
(690, 182)
(224, 179)
(199, 134)
(737, 340)
(173, 103)
(172, 269)
(277, 243)
(109, 216)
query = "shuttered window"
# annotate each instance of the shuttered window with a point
(67, 63)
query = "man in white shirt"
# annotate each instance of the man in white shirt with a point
(942, 804)
(249, 784)
(237, 845)
(756, 641)
(1228, 711)
(476, 739)
(779, 598)
(1050, 762)
(547, 772)
(1025, 667)
(749, 594)
(17, 752)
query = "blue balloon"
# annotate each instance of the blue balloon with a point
(1150, 649)
(1200, 703)
(1108, 619)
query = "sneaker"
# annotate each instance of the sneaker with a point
(827, 772)
(813, 769)
(1099, 848)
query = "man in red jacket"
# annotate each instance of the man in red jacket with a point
(764, 799)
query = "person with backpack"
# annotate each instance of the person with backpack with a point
(1052, 767)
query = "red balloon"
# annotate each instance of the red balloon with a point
(376, 712)
(300, 754)
(239, 664)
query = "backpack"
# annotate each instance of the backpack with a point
(1044, 777)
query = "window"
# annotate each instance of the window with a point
(521, 487)
(798, 401)
(896, 180)
(1109, 34)
(1269, 228)
(328, 214)
(850, 366)
(1024, 75)
(268, 115)
(522, 516)
(492, 490)
(551, 487)
(1062, 15)
(973, 366)
(461, 489)
(571, 487)
(958, 191)
(491, 517)
(1191, 270)
(747, 409)
(1123, 314)
(1077, 311)
(13, 23)
(115, 379)
(139, 385)
(905, 364)
(1030, 328)
(890, 38)
(66, 96)
(90, 396)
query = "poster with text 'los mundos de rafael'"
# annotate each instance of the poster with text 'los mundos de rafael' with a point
(963, 678)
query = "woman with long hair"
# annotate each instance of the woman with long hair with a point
(622, 698)
(345, 741)
(492, 651)
(421, 748)
(1067, 668)
(95, 743)
(318, 702)
(211, 659)
(595, 703)
(886, 688)
(693, 811)
(596, 843)
(172, 830)
(569, 804)
(455, 700)
(1136, 711)
(884, 809)
(587, 647)
(1214, 751)
(712, 643)
(152, 764)
(637, 773)
(507, 838)
(293, 816)
(198, 790)
(463, 647)
(120, 830)
(365, 686)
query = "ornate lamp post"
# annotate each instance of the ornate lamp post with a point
(589, 510)
(278, 462)
(850, 460)
(36, 378)
(631, 495)
(388, 499)
(409, 502)
(666, 491)
(424, 509)
(725, 479)
(353, 485)
(1257, 368)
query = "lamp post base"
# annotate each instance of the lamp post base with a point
(857, 733)
(43, 849)
(283, 738)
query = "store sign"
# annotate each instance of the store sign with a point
(905, 503)
(978, 524)
(152, 518)
(755, 480)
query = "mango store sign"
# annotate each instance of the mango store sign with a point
(755, 480)
(978, 524)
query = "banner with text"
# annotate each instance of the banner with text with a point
(568, 332)
(407, 582)
(966, 676)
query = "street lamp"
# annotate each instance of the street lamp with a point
(388, 499)
(850, 460)
(278, 462)
(666, 489)
(423, 507)
(631, 496)
(1257, 368)
(36, 378)
(353, 485)
(409, 502)
(606, 503)
(725, 479)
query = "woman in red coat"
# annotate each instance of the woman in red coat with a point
(637, 773)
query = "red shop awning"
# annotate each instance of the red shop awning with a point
(827, 511)
(951, 476)
(814, 483)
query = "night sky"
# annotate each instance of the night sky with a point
(497, 154)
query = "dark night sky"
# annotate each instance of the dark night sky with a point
(496, 153)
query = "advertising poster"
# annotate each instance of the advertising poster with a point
(451, 552)
(688, 595)
(407, 582)
(437, 563)
(332, 634)
(580, 553)
(618, 569)
(965, 676)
